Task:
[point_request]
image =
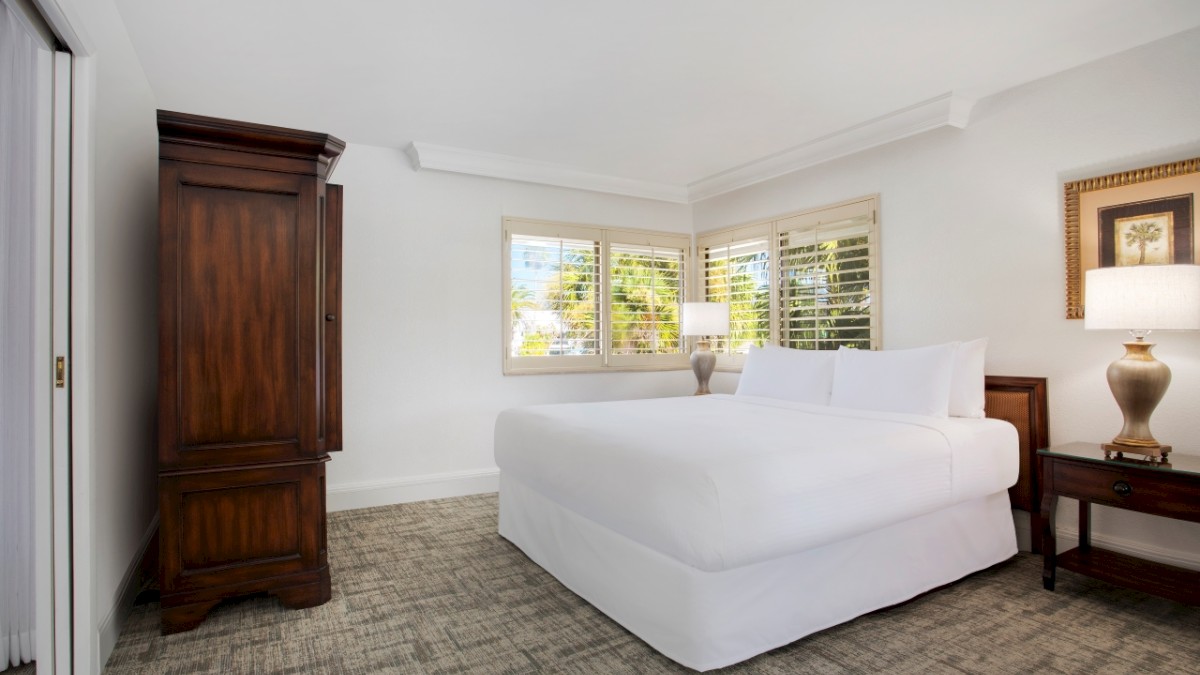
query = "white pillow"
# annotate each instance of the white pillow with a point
(789, 374)
(915, 381)
(966, 384)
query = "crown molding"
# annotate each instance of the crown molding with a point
(944, 110)
(442, 158)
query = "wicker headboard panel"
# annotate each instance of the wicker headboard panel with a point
(1021, 401)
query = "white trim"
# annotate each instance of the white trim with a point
(61, 346)
(86, 652)
(944, 110)
(64, 20)
(72, 570)
(459, 160)
(76, 648)
(1068, 538)
(43, 347)
(411, 489)
(127, 591)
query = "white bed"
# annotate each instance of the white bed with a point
(714, 544)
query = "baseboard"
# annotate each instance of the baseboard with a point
(412, 489)
(110, 628)
(1068, 538)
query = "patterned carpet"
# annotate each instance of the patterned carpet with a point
(431, 588)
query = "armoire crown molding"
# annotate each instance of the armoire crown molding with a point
(945, 110)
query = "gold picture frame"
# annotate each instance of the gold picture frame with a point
(1142, 216)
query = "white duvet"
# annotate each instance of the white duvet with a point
(719, 482)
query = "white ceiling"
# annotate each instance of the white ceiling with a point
(665, 91)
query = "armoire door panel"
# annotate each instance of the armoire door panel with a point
(227, 527)
(332, 348)
(239, 300)
(244, 525)
(239, 316)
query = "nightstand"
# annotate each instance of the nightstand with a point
(1170, 489)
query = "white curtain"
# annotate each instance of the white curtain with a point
(18, 166)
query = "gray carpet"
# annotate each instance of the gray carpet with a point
(431, 588)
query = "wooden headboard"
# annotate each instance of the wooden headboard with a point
(1021, 401)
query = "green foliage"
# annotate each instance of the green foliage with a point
(826, 297)
(556, 309)
(575, 298)
(646, 292)
(742, 283)
(535, 344)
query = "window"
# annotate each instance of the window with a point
(585, 298)
(807, 281)
(646, 289)
(737, 270)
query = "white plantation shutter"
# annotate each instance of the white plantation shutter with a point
(588, 298)
(646, 275)
(737, 269)
(584, 298)
(554, 317)
(807, 281)
(828, 278)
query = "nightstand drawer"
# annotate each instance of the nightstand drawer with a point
(1146, 490)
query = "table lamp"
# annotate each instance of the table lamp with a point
(1141, 298)
(702, 319)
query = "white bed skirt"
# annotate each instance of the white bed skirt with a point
(707, 620)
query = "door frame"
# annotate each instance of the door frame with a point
(50, 397)
(74, 634)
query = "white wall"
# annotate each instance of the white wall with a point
(114, 331)
(972, 241)
(422, 324)
(972, 245)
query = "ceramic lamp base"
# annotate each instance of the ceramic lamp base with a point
(1138, 382)
(703, 362)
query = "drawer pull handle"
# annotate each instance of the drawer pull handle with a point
(1122, 488)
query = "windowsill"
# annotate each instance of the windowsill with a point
(606, 369)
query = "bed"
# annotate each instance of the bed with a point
(719, 527)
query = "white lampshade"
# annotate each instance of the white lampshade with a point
(705, 318)
(1143, 297)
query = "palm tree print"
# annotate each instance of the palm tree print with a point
(1142, 234)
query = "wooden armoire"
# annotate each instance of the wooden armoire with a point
(249, 362)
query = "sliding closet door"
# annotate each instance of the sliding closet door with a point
(25, 71)
(35, 189)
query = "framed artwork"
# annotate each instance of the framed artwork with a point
(1140, 217)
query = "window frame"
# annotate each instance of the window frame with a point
(659, 240)
(604, 238)
(742, 234)
(771, 230)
